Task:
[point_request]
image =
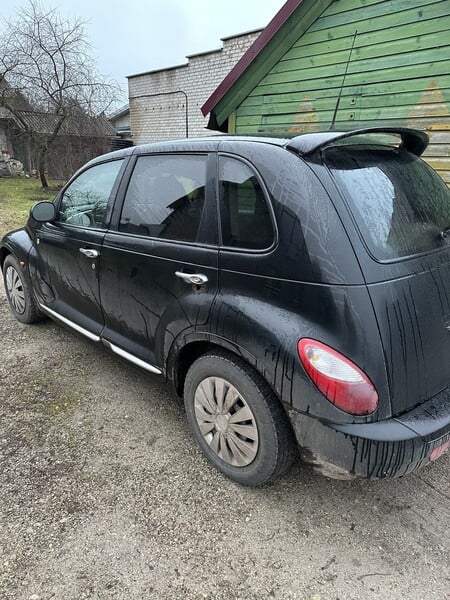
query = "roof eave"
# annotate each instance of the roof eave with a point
(255, 49)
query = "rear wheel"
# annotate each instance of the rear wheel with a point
(237, 420)
(18, 292)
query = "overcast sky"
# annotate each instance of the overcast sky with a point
(134, 36)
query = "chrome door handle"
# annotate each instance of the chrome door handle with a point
(192, 278)
(89, 253)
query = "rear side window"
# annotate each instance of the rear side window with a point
(400, 204)
(165, 197)
(245, 216)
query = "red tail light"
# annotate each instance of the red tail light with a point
(340, 380)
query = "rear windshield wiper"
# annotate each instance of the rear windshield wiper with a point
(445, 233)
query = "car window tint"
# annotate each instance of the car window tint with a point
(400, 204)
(84, 202)
(165, 197)
(245, 216)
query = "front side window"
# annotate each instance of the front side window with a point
(400, 204)
(85, 200)
(166, 197)
(245, 216)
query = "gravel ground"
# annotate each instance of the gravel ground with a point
(104, 494)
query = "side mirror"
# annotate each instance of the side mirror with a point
(43, 212)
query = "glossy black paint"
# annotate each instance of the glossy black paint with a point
(317, 281)
(413, 140)
(411, 299)
(147, 306)
(70, 277)
(391, 448)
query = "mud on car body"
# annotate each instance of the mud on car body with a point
(295, 291)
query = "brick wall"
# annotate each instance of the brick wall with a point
(163, 117)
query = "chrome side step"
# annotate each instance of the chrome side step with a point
(96, 338)
(52, 313)
(133, 359)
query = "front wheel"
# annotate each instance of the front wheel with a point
(18, 292)
(239, 423)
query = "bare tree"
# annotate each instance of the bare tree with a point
(46, 61)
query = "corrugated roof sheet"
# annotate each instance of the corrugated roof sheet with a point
(45, 123)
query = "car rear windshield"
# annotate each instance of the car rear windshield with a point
(401, 206)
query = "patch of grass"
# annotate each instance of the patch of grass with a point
(36, 403)
(44, 396)
(61, 407)
(17, 196)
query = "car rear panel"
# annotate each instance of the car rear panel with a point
(395, 221)
(414, 320)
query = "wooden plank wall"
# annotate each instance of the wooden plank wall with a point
(398, 74)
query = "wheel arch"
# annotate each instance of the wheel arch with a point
(186, 351)
(4, 252)
(18, 243)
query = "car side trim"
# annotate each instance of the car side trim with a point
(95, 338)
(55, 315)
(133, 359)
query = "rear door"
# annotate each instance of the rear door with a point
(159, 271)
(70, 247)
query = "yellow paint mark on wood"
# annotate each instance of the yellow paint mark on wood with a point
(439, 126)
(232, 123)
(438, 107)
(431, 96)
(305, 119)
(439, 164)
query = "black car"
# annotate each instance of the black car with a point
(295, 291)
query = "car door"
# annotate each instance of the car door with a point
(159, 268)
(69, 248)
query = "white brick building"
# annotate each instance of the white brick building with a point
(165, 104)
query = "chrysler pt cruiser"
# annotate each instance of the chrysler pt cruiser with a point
(295, 291)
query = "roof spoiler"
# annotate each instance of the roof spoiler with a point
(413, 140)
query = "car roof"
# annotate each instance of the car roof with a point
(200, 144)
(306, 144)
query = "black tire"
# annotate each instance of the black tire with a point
(18, 291)
(275, 446)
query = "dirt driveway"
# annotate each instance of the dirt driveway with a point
(103, 494)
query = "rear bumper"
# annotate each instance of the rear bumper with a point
(389, 448)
